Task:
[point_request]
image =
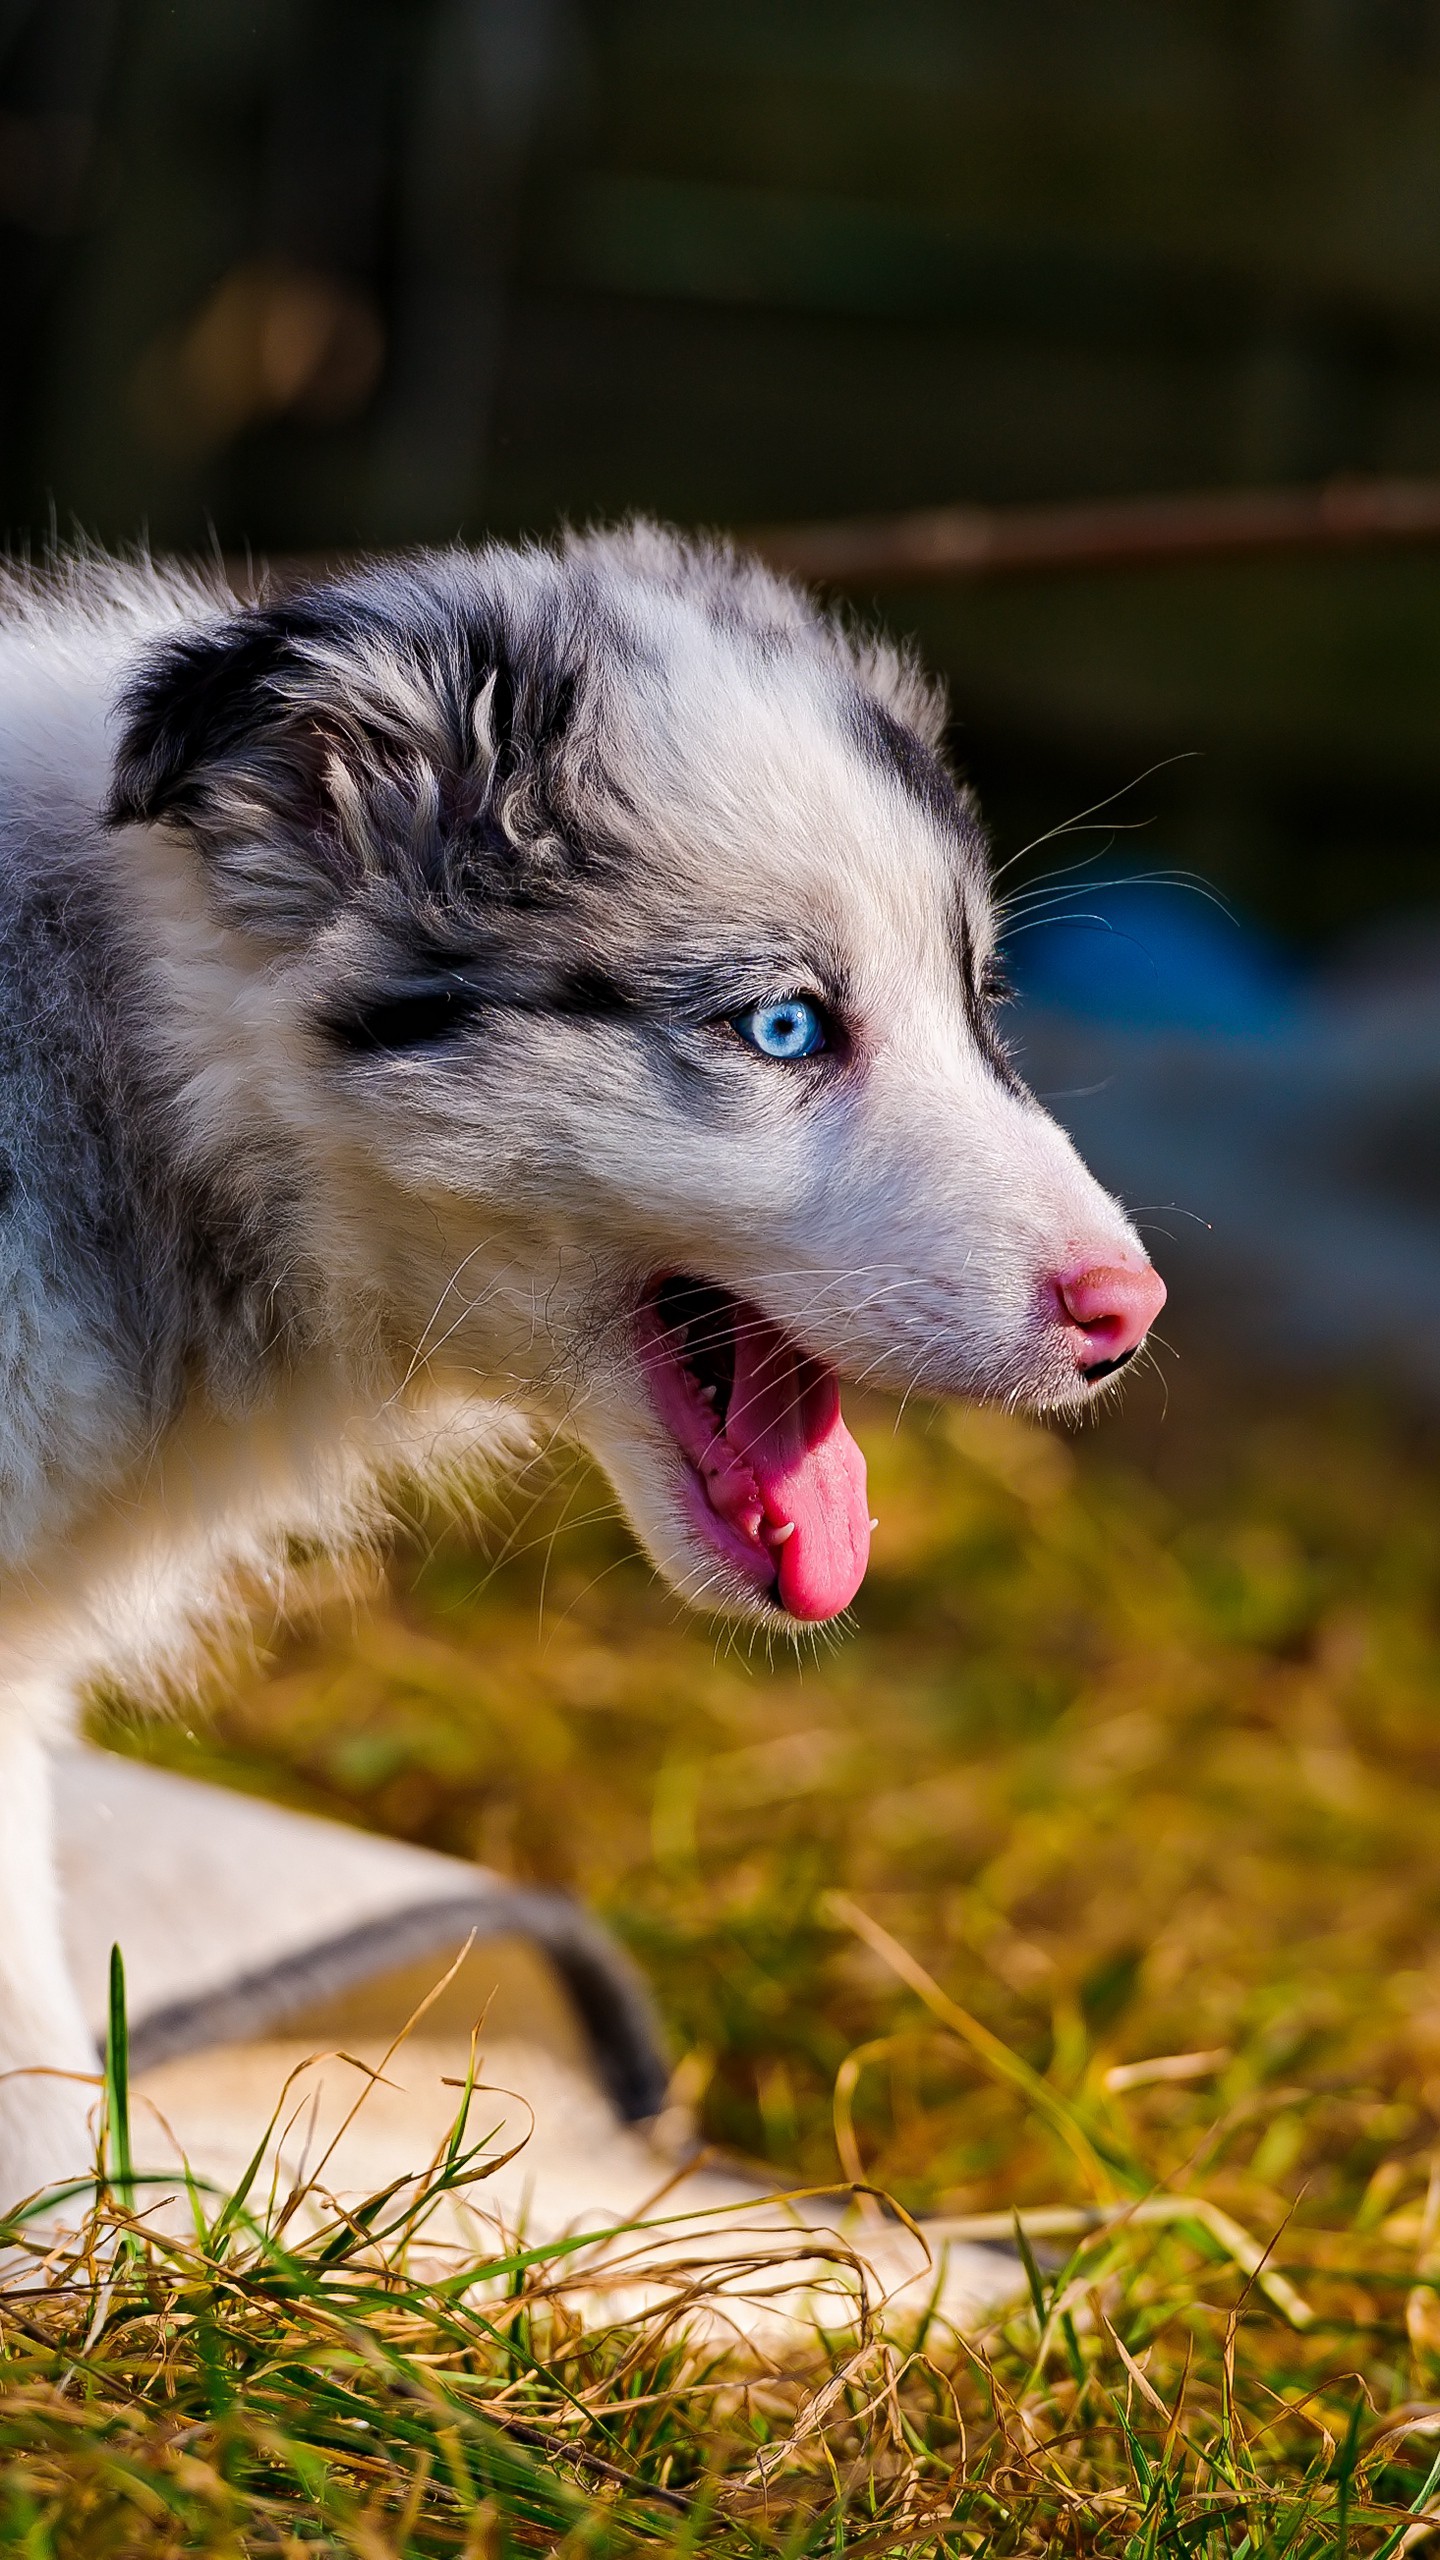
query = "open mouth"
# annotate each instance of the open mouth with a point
(777, 1485)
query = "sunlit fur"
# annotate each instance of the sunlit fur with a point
(365, 966)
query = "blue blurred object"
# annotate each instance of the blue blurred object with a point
(1278, 1123)
(1151, 955)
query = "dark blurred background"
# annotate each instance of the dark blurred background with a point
(321, 274)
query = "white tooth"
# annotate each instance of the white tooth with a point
(777, 1537)
(707, 1395)
(874, 1524)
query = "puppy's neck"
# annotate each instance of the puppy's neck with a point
(352, 1274)
(236, 1129)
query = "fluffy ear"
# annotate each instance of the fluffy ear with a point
(222, 734)
(407, 728)
(196, 701)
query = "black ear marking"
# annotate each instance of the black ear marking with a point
(401, 730)
(196, 700)
(531, 698)
(225, 729)
(490, 676)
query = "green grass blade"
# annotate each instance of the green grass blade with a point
(119, 2163)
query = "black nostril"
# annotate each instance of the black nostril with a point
(1106, 1368)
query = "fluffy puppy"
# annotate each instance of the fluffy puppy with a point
(491, 994)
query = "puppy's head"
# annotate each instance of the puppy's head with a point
(631, 951)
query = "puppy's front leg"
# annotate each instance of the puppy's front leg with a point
(47, 2055)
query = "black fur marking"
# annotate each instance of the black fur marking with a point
(905, 757)
(424, 985)
(594, 992)
(899, 752)
(388, 1020)
(214, 695)
(237, 729)
(198, 698)
(980, 1002)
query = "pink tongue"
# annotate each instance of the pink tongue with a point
(784, 1419)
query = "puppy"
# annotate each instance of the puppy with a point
(491, 995)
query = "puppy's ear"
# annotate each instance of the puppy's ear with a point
(219, 736)
(197, 699)
(406, 733)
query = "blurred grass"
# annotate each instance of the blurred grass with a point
(1137, 1758)
(1135, 1749)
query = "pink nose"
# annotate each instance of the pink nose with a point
(1113, 1306)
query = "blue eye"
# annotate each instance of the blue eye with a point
(791, 1029)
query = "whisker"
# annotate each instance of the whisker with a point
(1042, 893)
(1171, 1209)
(1071, 825)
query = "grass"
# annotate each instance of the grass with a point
(1095, 1881)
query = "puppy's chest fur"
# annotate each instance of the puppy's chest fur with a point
(205, 1537)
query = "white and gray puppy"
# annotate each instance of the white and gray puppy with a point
(499, 993)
